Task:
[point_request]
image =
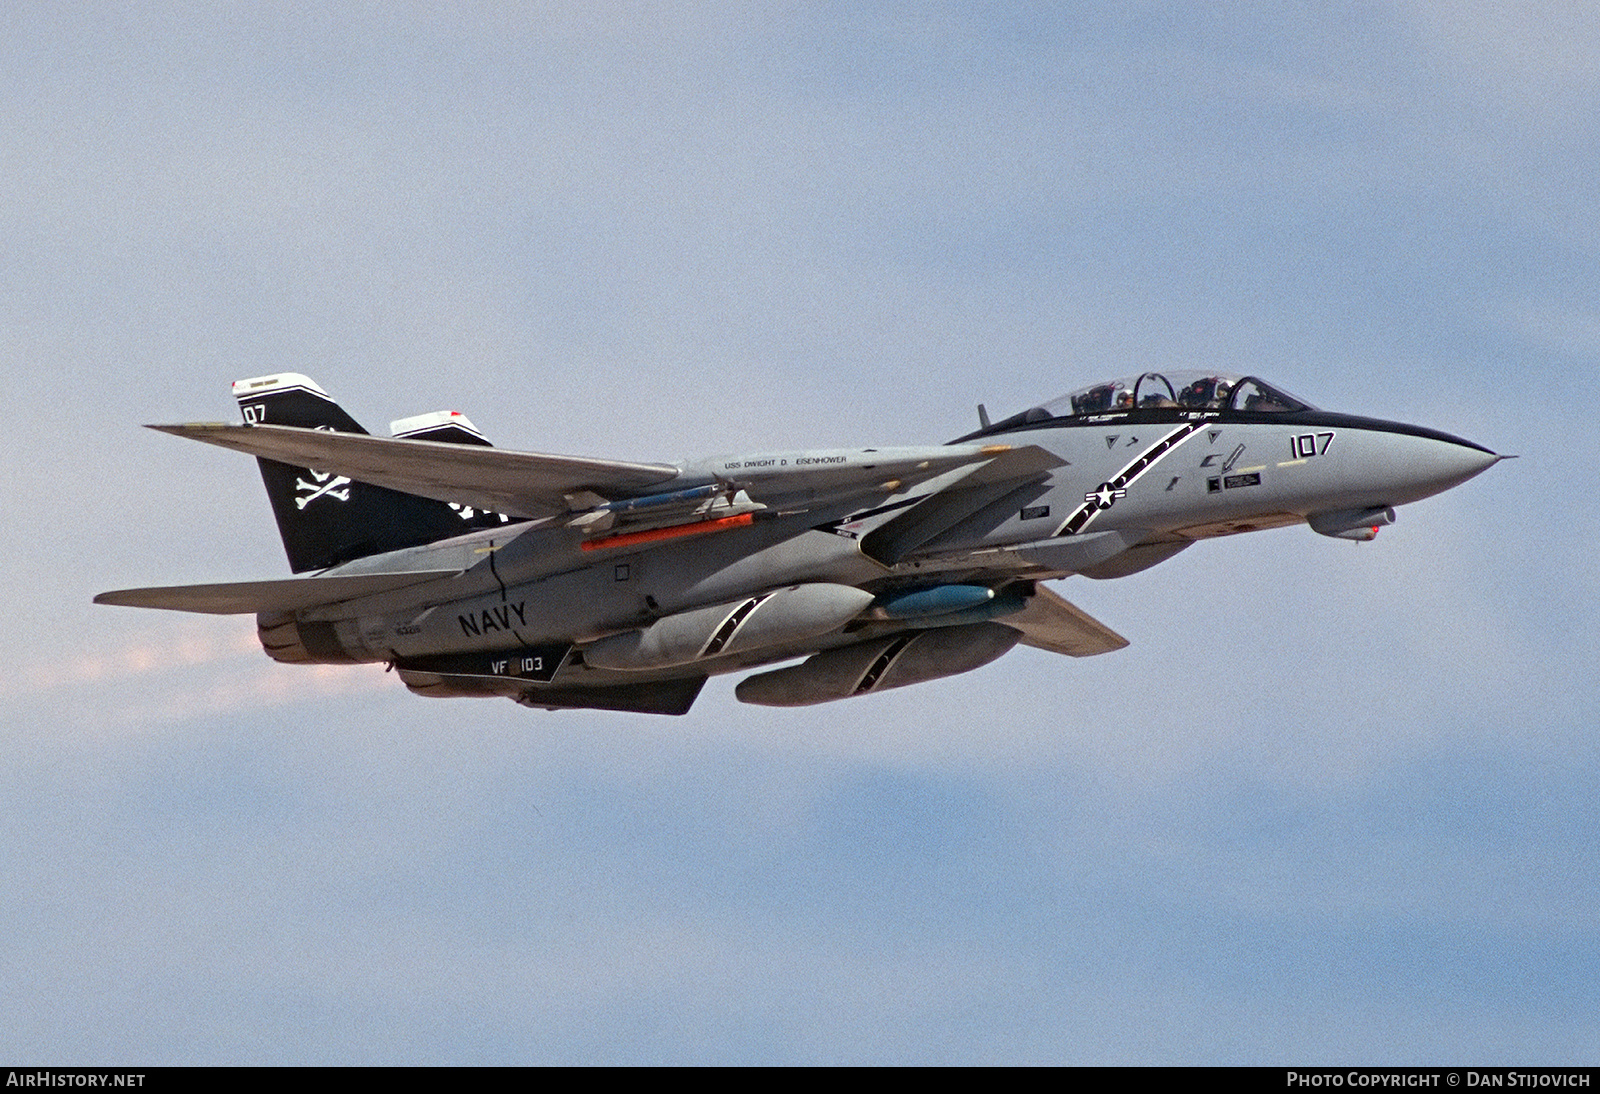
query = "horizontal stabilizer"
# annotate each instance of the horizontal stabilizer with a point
(1051, 623)
(523, 484)
(284, 595)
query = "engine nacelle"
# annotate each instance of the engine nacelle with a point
(1360, 525)
(771, 619)
(295, 642)
(910, 657)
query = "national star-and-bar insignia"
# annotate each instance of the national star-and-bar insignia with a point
(1104, 496)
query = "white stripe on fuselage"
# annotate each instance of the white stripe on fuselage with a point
(1104, 496)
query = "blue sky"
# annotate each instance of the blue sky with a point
(1334, 803)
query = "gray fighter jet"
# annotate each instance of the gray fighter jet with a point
(560, 581)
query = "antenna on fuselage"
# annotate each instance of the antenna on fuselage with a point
(983, 417)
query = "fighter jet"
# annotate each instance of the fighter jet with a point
(565, 582)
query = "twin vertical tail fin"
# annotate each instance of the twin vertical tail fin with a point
(327, 519)
(449, 426)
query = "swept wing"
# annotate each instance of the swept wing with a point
(537, 485)
(523, 484)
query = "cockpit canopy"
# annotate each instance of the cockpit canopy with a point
(1177, 390)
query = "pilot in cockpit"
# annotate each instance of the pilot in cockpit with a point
(1200, 394)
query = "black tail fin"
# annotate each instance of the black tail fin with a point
(326, 519)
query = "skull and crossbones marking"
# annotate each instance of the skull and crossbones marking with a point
(325, 483)
(467, 512)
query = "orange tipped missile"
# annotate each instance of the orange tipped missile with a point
(698, 528)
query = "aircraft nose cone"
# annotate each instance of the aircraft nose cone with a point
(1439, 462)
(1458, 461)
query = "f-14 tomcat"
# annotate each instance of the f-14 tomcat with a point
(560, 581)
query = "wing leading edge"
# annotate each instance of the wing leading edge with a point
(523, 484)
